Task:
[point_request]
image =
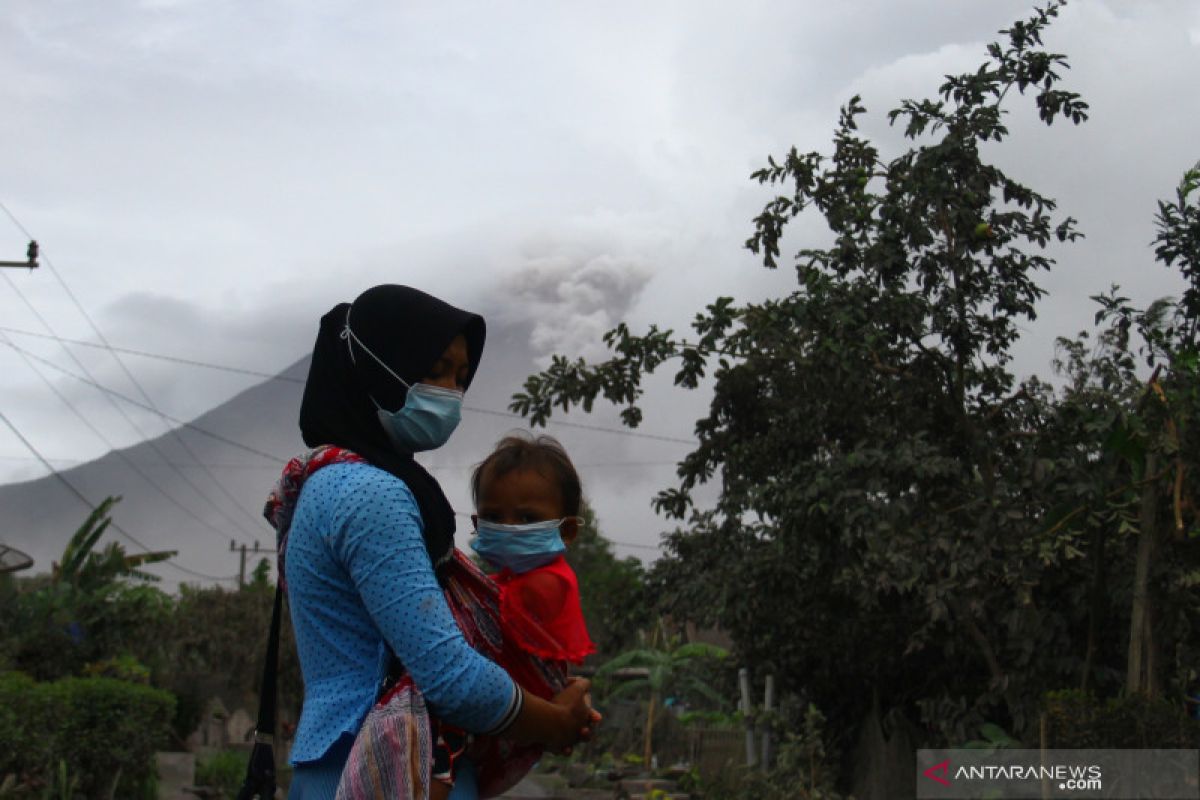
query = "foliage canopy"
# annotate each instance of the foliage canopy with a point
(898, 516)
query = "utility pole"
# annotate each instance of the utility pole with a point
(31, 258)
(242, 550)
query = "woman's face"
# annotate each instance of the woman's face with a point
(450, 371)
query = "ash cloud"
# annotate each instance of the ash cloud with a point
(573, 297)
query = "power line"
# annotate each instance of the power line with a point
(118, 452)
(71, 487)
(142, 435)
(288, 379)
(654, 547)
(71, 461)
(578, 465)
(137, 384)
(191, 362)
(245, 465)
(120, 410)
(583, 426)
(190, 426)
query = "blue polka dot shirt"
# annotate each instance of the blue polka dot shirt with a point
(357, 574)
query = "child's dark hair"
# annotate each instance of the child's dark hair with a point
(520, 450)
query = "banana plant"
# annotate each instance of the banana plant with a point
(83, 567)
(665, 665)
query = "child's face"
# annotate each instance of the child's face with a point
(522, 496)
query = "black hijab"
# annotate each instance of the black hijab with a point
(409, 330)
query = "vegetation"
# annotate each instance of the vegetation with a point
(1077, 720)
(904, 529)
(103, 655)
(95, 604)
(802, 771)
(927, 529)
(217, 641)
(103, 732)
(222, 772)
(97, 615)
(662, 666)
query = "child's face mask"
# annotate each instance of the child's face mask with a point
(519, 548)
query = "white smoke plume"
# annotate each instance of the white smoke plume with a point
(573, 297)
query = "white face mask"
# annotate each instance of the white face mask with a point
(429, 415)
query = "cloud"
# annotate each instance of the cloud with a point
(573, 297)
(209, 179)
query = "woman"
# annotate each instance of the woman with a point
(364, 529)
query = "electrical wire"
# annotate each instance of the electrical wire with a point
(191, 362)
(120, 453)
(655, 547)
(190, 426)
(583, 426)
(431, 467)
(141, 434)
(71, 487)
(287, 379)
(149, 405)
(173, 432)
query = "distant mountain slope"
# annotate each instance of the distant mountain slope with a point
(39, 516)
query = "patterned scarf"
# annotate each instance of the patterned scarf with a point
(281, 502)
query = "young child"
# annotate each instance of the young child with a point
(527, 497)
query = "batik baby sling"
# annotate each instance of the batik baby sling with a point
(392, 754)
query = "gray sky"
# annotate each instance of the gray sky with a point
(208, 176)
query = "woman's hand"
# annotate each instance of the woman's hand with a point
(558, 724)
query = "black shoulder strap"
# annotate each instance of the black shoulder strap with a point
(266, 704)
(260, 773)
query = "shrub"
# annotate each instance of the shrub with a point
(111, 729)
(102, 731)
(123, 668)
(805, 769)
(223, 771)
(27, 744)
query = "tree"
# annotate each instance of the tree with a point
(260, 578)
(879, 522)
(1157, 438)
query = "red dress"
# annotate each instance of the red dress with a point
(540, 612)
(542, 630)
